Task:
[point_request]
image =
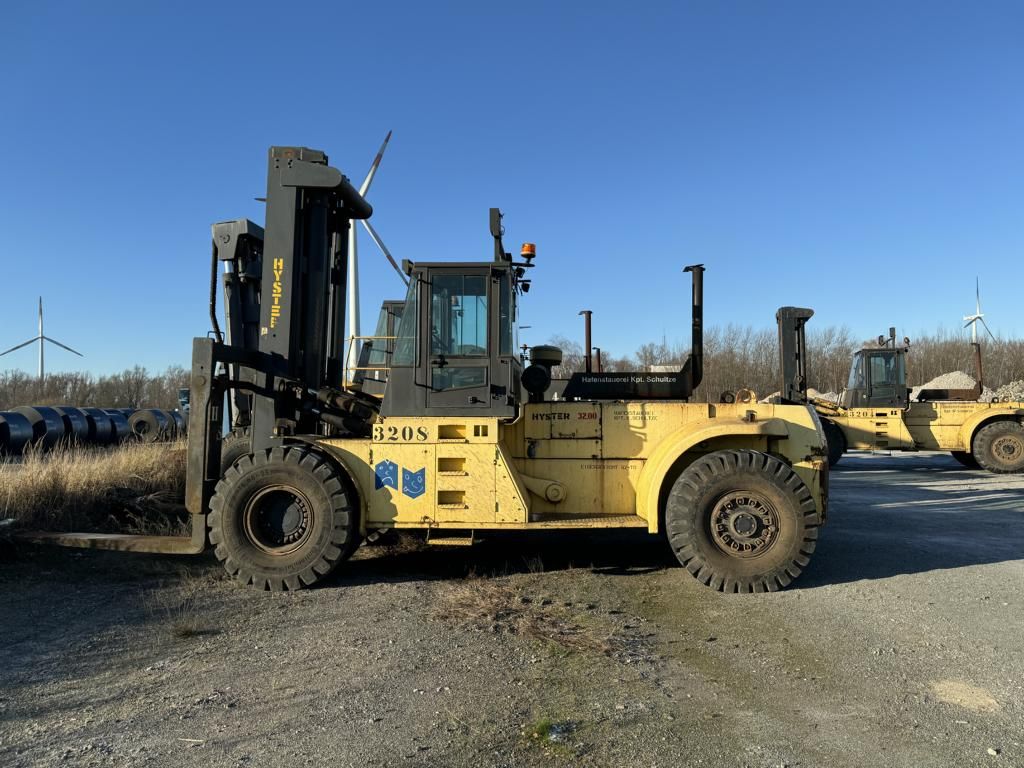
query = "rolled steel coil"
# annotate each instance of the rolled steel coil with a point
(119, 422)
(171, 431)
(149, 425)
(76, 424)
(15, 433)
(181, 422)
(101, 428)
(47, 424)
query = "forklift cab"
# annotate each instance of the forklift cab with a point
(878, 378)
(381, 347)
(455, 352)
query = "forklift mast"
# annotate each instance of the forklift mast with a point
(238, 245)
(793, 353)
(289, 362)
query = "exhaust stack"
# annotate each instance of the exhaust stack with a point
(695, 365)
(587, 359)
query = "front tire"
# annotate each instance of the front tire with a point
(283, 518)
(835, 440)
(965, 458)
(236, 444)
(999, 447)
(741, 521)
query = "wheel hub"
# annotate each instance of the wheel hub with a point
(277, 520)
(1008, 448)
(744, 524)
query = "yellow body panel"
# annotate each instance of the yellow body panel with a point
(928, 426)
(609, 462)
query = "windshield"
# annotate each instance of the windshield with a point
(856, 372)
(405, 344)
(887, 369)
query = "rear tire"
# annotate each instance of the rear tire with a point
(965, 458)
(835, 440)
(999, 447)
(741, 521)
(283, 518)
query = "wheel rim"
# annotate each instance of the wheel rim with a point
(744, 524)
(1007, 449)
(278, 519)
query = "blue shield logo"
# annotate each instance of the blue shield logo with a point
(414, 483)
(386, 474)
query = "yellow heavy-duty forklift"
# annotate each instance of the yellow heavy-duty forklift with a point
(875, 413)
(465, 439)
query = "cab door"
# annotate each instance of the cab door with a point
(458, 345)
(886, 379)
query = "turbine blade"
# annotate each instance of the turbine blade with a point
(23, 344)
(384, 249)
(977, 295)
(991, 335)
(63, 346)
(373, 168)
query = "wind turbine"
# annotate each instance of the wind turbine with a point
(41, 338)
(353, 267)
(972, 320)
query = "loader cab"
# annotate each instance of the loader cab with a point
(455, 351)
(381, 346)
(878, 378)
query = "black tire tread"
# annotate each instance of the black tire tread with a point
(344, 533)
(981, 447)
(234, 446)
(835, 440)
(681, 533)
(965, 458)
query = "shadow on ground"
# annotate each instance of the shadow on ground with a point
(892, 515)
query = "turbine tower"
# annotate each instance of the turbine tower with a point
(352, 358)
(972, 320)
(42, 339)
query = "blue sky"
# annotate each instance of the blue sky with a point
(864, 159)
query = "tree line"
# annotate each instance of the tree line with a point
(742, 356)
(734, 356)
(131, 388)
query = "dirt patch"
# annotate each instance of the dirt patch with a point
(964, 695)
(493, 606)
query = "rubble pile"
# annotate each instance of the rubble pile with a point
(1012, 393)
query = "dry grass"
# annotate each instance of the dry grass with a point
(133, 488)
(179, 607)
(486, 604)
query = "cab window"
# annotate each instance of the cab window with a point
(883, 370)
(458, 305)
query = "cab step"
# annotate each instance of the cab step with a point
(449, 540)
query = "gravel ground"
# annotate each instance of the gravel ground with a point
(900, 646)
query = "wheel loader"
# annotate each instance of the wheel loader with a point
(875, 413)
(464, 440)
